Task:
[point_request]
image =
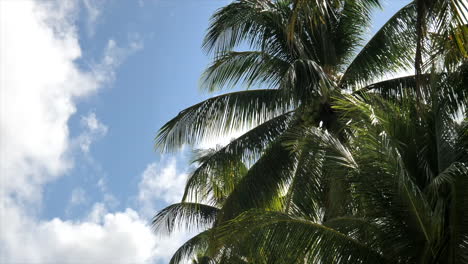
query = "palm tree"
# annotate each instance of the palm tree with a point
(300, 76)
(304, 68)
(406, 168)
(408, 194)
(407, 177)
(440, 17)
(219, 182)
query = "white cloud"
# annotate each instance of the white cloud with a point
(107, 197)
(121, 237)
(160, 182)
(40, 84)
(93, 129)
(114, 55)
(93, 124)
(93, 9)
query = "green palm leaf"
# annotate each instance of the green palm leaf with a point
(246, 148)
(248, 68)
(196, 244)
(388, 51)
(220, 116)
(281, 238)
(189, 215)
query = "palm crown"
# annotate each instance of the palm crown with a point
(339, 164)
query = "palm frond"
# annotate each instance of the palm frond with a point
(446, 17)
(353, 22)
(388, 51)
(219, 116)
(247, 148)
(245, 21)
(281, 238)
(316, 139)
(215, 177)
(462, 141)
(323, 162)
(262, 184)
(305, 80)
(247, 68)
(196, 244)
(459, 215)
(445, 179)
(180, 215)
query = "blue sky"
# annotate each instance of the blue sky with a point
(151, 86)
(85, 85)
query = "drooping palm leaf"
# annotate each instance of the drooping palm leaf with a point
(388, 51)
(247, 21)
(281, 238)
(192, 216)
(247, 68)
(262, 184)
(246, 148)
(220, 116)
(196, 244)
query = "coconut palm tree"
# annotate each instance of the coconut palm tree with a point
(440, 17)
(303, 73)
(406, 168)
(298, 74)
(407, 175)
(408, 180)
(219, 183)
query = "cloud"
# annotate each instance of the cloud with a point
(40, 86)
(93, 129)
(93, 124)
(166, 246)
(114, 55)
(39, 83)
(160, 182)
(93, 10)
(107, 197)
(103, 237)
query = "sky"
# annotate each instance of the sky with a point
(84, 87)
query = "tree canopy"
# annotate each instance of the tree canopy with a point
(344, 160)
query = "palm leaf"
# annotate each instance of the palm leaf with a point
(248, 21)
(388, 51)
(248, 68)
(189, 215)
(220, 115)
(459, 216)
(246, 148)
(262, 184)
(196, 244)
(281, 238)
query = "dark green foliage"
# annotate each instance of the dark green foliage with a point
(340, 163)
